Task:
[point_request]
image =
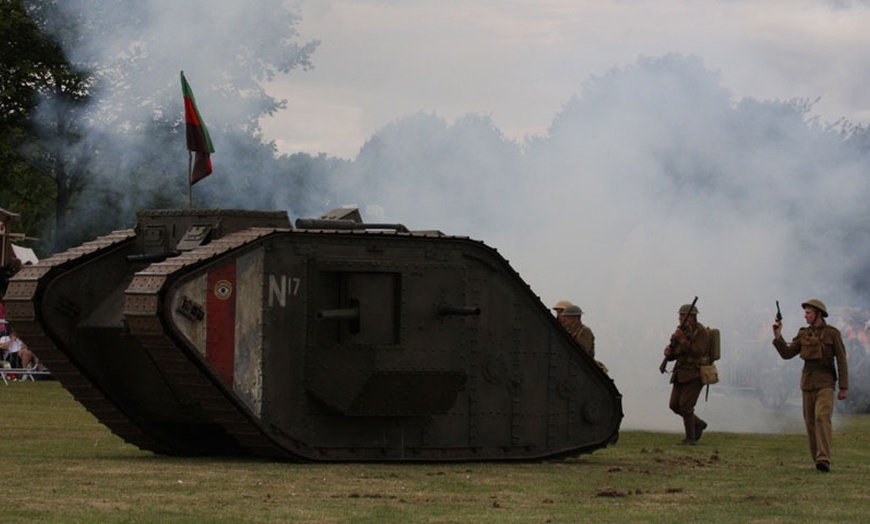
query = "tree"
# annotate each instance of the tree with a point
(34, 70)
(115, 138)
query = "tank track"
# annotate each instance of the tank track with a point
(181, 362)
(24, 310)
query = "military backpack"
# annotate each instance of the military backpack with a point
(714, 345)
(709, 373)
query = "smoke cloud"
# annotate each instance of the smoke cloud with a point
(653, 185)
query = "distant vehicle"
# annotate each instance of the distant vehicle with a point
(226, 332)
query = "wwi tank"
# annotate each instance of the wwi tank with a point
(225, 332)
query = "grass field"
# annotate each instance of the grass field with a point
(61, 465)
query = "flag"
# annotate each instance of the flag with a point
(198, 138)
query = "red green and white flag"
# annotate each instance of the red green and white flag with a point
(198, 139)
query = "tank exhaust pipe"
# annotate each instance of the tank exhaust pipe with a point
(446, 310)
(344, 225)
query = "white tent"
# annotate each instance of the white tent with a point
(24, 254)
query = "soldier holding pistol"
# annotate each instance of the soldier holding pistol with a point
(821, 348)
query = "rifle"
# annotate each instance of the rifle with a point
(663, 367)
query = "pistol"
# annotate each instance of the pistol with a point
(778, 312)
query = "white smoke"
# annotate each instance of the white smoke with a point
(652, 186)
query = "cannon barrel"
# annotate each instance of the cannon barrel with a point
(445, 310)
(338, 314)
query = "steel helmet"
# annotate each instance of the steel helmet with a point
(562, 304)
(817, 304)
(685, 309)
(572, 311)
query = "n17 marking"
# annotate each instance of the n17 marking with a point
(279, 289)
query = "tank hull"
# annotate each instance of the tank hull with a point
(315, 345)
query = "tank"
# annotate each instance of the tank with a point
(233, 333)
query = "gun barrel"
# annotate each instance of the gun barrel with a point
(460, 311)
(338, 314)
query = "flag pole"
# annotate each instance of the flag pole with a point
(190, 180)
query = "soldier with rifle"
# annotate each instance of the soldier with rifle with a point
(689, 346)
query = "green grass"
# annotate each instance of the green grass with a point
(61, 465)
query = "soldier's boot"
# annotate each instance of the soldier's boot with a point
(700, 426)
(689, 425)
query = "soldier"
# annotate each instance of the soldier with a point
(819, 345)
(560, 307)
(690, 344)
(570, 319)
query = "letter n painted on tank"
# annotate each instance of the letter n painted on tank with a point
(278, 291)
(221, 317)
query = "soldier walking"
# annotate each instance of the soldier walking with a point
(821, 347)
(690, 345)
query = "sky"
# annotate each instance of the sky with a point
(519, 61)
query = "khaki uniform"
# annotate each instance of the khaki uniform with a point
(821, 348)
(686, 377)
(584, 337)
